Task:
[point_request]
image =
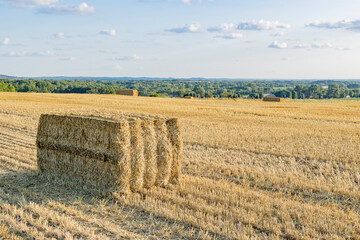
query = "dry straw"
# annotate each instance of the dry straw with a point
(130, 153)
(150, 155)
(164, 153)
(273, 99)
(175, 138)
(137, 155)
(127, 92)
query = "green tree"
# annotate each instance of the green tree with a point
(199, 91)
(107, 90)
(333, 91)
(5, 87)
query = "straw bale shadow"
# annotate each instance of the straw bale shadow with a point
(35, 187)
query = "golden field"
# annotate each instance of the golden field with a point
(251, 170)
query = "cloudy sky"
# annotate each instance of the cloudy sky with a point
(181, 38)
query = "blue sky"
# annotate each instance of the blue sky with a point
(181, 38)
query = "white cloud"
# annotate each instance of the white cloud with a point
(192, 28)
(262, 25)
(129, 58)
(321, 45)
(109, 32)
(301, 45)
(31, 3)
(230, 36)
(43, 53)
(278, 34)
(34, 54)
(228, 31)
(315, 44)
(82, 9)
(340, 24)
(6, 41)
(60, 35)
(70, 59)
(343, 48)
(225, 27)
(50, 7)
(17, 54)
(186, 1)
(278, 45)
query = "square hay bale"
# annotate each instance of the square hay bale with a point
(189, 97)
(127, 92)
(121, 155)
(273, 99)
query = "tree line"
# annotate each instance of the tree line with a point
(296, 89)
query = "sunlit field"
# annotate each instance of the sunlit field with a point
(251, 169)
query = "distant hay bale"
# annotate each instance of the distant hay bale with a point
(189, 97)
(127, 92)
(121, 155)
(273, 99)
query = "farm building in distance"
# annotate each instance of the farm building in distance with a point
(273, 99)
(269, 95)
(127, 92)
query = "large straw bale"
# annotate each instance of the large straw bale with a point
(133, 152)
(86, 148)
(127, 92)
(273, 99)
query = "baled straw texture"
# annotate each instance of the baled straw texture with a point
(164, 153)
(86, 148)
(273, 99)
(130, 153)
(127, 92)
(150, 155)
(174, 135)
(137, 155)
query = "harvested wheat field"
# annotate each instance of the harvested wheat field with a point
(250, 170)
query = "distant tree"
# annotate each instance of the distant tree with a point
(283, 94)
(333, 91)
(200, 88)
(254, 95)
(299, 89)
(107, 90)
(208, 94)
(4, 87)
(199, 91)
(351, 93)
(314, 91)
